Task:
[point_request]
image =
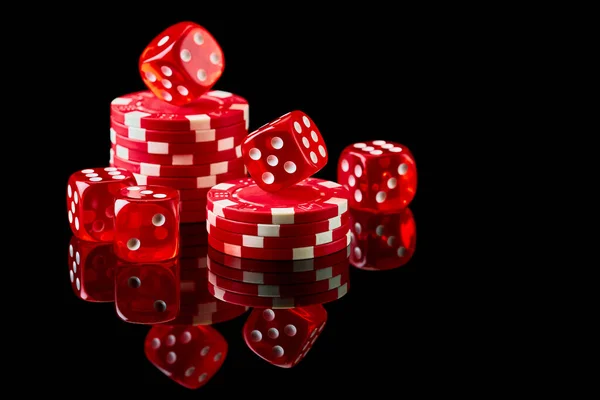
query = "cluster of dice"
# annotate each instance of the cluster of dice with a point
(136, 222)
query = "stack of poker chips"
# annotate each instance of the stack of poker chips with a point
(278, 251)
(189, 148)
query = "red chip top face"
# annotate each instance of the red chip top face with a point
(150, 193)
(308, 201)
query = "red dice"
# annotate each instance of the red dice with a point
(147, 293)
(90, 201)
(182, 63)
(189, 355)
(380, 175)
(284, 152)
(382, 241)
(284, 337)
(147, 223)
(91, 270)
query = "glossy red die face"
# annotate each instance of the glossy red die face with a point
(91, 270)
(91, 195)
(284, 337)
(382, 241)
(182, 63)
(284, 152)
(189, 355)
(380, 175)
(147, 223)
(147, 293)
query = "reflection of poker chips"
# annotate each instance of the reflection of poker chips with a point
(209, 318)
(311, 200)
(282, 266)
(278, 302)
(299, 253)
(277, 278)
(300, 289)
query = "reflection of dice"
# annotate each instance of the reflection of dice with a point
(147, 223)
(284, 152)
(382, 241)
(380, 175)
(147, 293)
(189, 355)
(90, 201)
(91, 270)
(181, 63)
(283, 337)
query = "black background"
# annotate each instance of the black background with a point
(359, 79)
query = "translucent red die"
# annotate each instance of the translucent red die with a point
(147, 293)
(91, 270)
(380, 175)
(91, 195)
(182, 63)
(147, 223)
(189, 355)
(284, 337)
(382, 241)
(284, 151)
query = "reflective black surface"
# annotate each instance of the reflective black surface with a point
(385, 333)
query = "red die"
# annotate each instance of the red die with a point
(284, 152)
(91, 270)
(147, 293)
(182, 63)
(190, 355)
(147, 223)
(90, 201)
(382, 241)
(283, 337)
(380, 175)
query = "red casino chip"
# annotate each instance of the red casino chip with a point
(301, 289)
(197, 136)
(181, 159)
(214, 109)
(279, 302)
(178, 148)
(282, 266)
(168, 171)
(297, 253)
(200, 182)
(286, 230)
(259, 242)
(311, 200)
(269, 278)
